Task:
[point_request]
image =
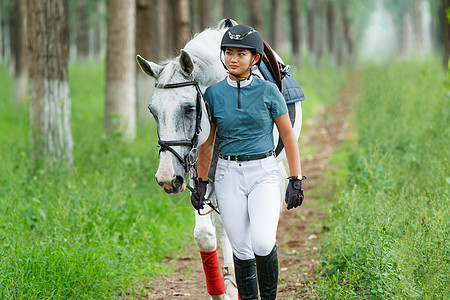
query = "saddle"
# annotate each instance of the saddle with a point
(275, 71)
(278, 73)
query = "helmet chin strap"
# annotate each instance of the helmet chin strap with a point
(240, 78)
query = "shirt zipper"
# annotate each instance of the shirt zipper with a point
(239, 93)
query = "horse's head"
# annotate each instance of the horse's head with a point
(181, 118)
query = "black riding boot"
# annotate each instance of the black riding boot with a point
(245, 271)
(268, 274)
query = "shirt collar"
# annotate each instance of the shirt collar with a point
(244, 82)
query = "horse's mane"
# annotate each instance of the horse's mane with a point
(204, 51)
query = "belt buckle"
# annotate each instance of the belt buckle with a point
(236, 159)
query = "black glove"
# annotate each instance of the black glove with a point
(198, 196)
(294, 192)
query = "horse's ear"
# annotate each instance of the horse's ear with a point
(148, 67)
(186, 62)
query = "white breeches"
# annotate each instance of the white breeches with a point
(248, 195)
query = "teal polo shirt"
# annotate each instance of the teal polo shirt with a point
(246, 130)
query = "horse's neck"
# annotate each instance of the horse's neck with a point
(211, 74)
(202, 47)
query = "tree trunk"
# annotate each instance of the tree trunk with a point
(120, 105)
(182, 12)
(445, 33)
(145, 39)
(310, 24)
(295, 32)
(339, 45)
(347, 36)
(330, 25)
(194, 23)
(13, 34)
(277, 15)
(21, 57)
(3, 30)
(218, 11)
(418, 26)
(98, 44)
(320, 39)
(171, 28)
(82, 35)
(406, 34)
(49, 89)
(257, 16)
(436, 28)
(229, 10)
(158, 30)
(205, 14)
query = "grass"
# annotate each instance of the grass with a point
(389, 226)
(88, 233)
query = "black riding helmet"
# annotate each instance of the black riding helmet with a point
(243, 36)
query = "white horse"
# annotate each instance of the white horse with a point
(182, 122)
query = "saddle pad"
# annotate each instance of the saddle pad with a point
(292, 92)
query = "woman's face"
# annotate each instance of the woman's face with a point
(239, 61)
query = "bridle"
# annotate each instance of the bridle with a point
(190, 160)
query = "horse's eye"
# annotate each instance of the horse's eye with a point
(189, 110)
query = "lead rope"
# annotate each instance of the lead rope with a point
(207, 199)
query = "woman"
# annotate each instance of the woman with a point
(243, 111)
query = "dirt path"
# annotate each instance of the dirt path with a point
(299, 229)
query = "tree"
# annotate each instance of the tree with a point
(120, 109)
(446, 31)
(229, 9)
(49, 89)
(277, 17)
(205, 14)
(183, 21)
(257, 15)
(170, 14)
(144, 41)
(82, 33)
(3, 29)
(295, 32)
(98, 44)
(21, 57)
(330, 25)
(311, 26)
(418, 24)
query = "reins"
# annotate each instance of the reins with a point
(190, 160)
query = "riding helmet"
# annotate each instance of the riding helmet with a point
(243, 36)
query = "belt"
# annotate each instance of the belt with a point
(239, 158)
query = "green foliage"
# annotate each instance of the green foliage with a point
(87, 233)
(389, 229)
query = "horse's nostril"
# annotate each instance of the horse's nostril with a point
(177, 182)
(160, 183)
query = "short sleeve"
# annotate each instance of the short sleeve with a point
(278, 105)
(209, 100)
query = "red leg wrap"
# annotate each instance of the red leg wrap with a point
(214, 280)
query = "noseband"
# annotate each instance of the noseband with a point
(190, 159)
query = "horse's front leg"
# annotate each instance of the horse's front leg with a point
(205, 238)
